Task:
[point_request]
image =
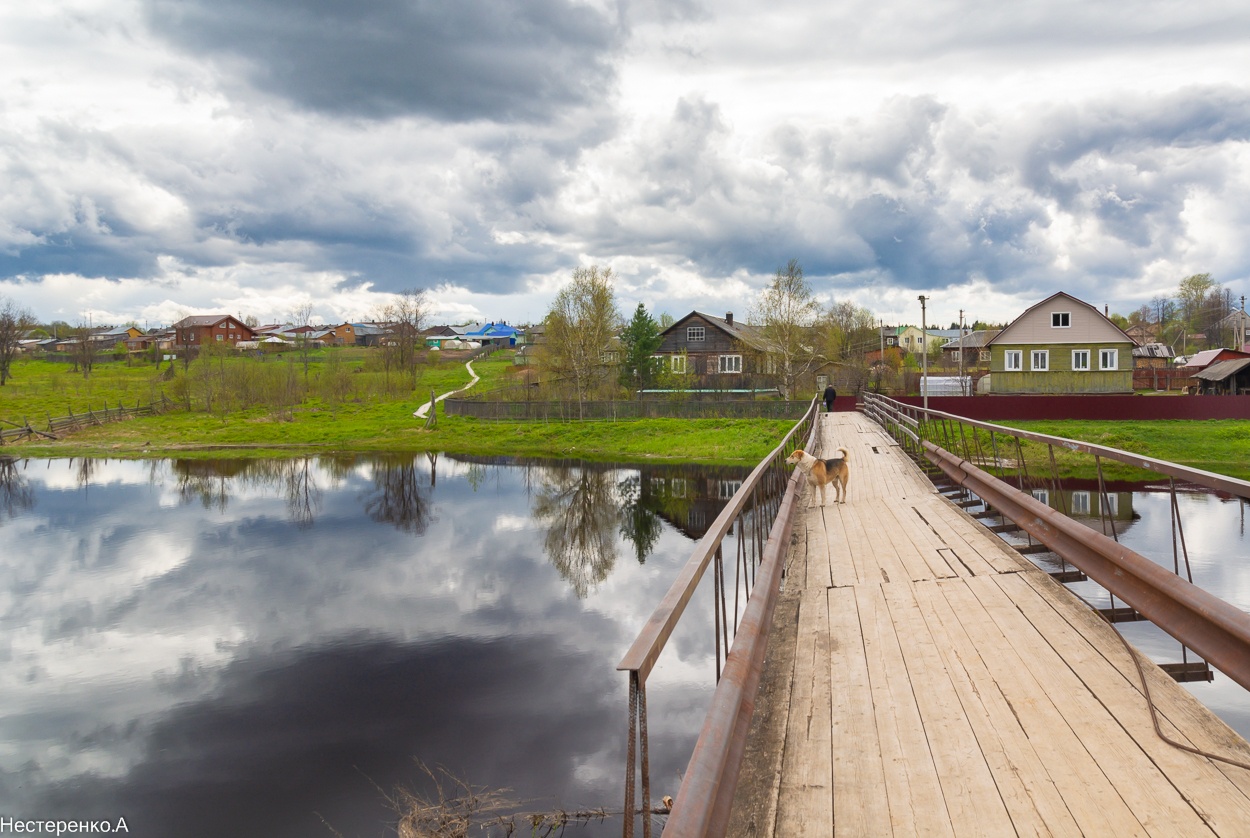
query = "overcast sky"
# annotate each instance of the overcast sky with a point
(171, 157)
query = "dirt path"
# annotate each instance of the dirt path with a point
(424, 410)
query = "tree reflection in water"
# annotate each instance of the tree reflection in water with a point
(211, 482)
(15, 493)
(579, 508)
(398, 498)
(638, 523)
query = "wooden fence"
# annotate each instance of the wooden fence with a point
(571, 411)
(78, 421)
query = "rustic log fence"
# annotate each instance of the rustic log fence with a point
(78, 421)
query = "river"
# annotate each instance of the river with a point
(282, 648)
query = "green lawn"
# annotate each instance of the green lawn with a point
(356, 423)
(1221, 446)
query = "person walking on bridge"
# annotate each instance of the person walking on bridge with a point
(830, 395)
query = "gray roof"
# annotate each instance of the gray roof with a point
(972, 340)
(1223, 369)
(200, 320)
(1153, 350)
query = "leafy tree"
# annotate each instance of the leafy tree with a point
(785, 314)
(14, 323)
(641, 338)
(581, 322)
(1191, 296)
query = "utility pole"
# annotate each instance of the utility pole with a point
(963, 388)
(1243, 322)
(924, 350)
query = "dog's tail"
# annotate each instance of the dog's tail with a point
(846, 455)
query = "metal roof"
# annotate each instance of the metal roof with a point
(1223, 369)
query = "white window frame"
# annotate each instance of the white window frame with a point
(220, 338)
(696, 334)
(729, 364)
(1044, 355)
(1111, 505)
(1061, 320)
(1083, 354)
(679, 365)
(1104, 354)
(727, 489)
(1013, 360)
(1080, 503)
(1042, 495)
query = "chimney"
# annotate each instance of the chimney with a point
(1106, 310)
(729, 317)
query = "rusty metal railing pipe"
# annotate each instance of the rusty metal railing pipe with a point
(1213, 628)
(646, 648)
(704, 801)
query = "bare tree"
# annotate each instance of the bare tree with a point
(405, 317)
(581, 322)
(785, 313)
(83, 351)
(301, 317)
(14, 323)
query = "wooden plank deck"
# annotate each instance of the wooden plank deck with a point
(925, 679)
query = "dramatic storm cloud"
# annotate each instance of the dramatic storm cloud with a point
(176, 156)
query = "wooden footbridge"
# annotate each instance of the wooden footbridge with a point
(924, 678)
(936, 682)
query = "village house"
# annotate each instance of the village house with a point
(721, 354)
(970, 351)
(1061, 345)
(201, 329)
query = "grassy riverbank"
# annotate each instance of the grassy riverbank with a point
(1221, 446)
(320, 423)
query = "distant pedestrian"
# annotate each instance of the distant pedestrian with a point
(830, 395)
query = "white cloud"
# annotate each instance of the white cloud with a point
(883, 145)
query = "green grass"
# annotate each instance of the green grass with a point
(1220, 446)
(41, 389)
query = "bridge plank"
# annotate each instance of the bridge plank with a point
(1143, 788)
(1034, 800)
(965, 692)
(805, 801)
(912, 786)
(1092, 800)
(1218, 790)
(859, 806)
(972, 798)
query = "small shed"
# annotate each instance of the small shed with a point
(1225, 378)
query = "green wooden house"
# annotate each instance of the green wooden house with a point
(1061, 345)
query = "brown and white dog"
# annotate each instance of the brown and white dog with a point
(820, 473)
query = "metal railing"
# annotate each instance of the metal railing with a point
(967, 451)
(760, 517)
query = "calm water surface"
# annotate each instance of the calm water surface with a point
(265, 648)
(268, 648)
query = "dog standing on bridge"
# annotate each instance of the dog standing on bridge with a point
(820, 473)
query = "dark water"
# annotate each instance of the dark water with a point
(268, 648)
(1214, 531)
